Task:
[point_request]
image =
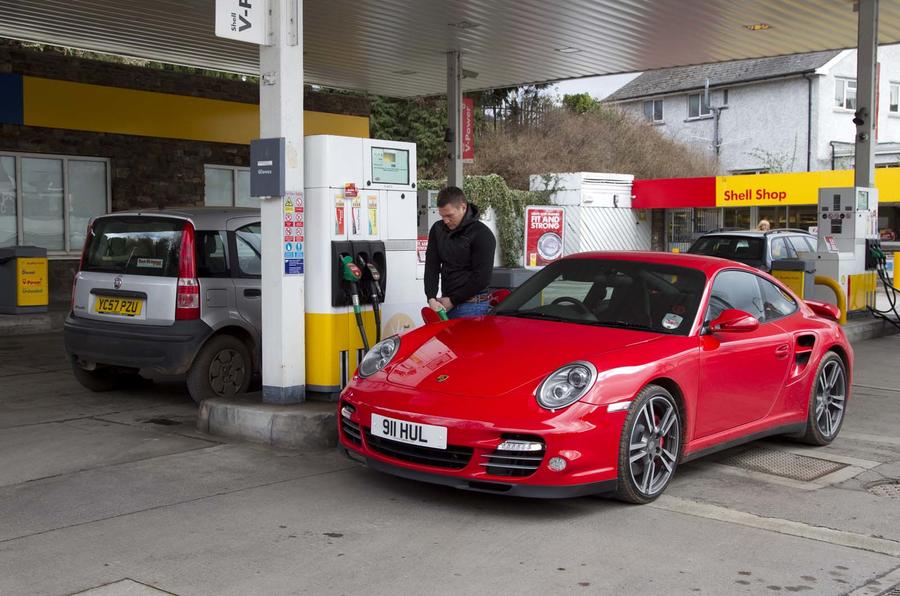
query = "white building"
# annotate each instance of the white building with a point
(783, 114)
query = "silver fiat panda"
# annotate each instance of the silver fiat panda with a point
(168, 292)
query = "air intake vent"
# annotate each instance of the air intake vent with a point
(453, 457)
(349, 428)
(517, 463)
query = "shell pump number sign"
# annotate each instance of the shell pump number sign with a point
(243, 20)
(544, 230)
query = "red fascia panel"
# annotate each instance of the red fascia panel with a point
(666, 193)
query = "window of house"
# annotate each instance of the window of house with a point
(653, 110)
(47, 201)
(697, 106)
(845, 93)
(894, 105)
(724, 97)
(227, 186)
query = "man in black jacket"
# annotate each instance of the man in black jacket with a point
(461, 252)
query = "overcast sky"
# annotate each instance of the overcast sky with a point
(598, 87)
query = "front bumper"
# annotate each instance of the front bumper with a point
(584, 435)
(160, 350)
(482, 486)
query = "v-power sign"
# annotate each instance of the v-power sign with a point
(243, 20)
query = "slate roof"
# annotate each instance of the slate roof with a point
(686, 78)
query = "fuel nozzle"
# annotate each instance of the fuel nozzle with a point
(351, 273)
(373, 276)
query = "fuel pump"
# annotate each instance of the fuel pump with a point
(359, 202)
(847, 231)
(351, 274)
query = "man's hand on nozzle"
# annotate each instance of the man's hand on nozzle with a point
(446, 302)
(435, 304)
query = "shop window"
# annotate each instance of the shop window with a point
(47, 201)
(736, 218)
(87, 191)
(803, 217)
(894, 104)
(705, 220)
(8, 210)
(697, 106)
(776, 216)
(653, 110)
(226, 186)
(845, 93)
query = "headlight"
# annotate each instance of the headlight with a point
(566, 385)
(379, 356)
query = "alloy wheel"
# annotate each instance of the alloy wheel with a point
(653, 446)
(831, 393)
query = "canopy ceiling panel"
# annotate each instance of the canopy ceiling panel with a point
(397, 47)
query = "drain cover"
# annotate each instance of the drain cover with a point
(782, 463)
(891, 488)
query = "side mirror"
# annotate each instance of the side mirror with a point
(732, 320)
(824, 310)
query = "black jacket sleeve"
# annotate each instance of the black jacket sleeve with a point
(483, 246)
(432, 266)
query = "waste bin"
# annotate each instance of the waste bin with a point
(797, 274)
(24, 285)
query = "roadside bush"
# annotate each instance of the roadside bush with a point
(598, 140)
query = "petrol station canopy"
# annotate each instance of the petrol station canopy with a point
(398, 47)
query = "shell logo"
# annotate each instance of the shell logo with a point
(398, 324)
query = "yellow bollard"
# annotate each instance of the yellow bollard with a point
(838, 294)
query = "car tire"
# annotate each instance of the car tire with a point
(103, 378)
(223, 368)
(827, 401)
(650, 446)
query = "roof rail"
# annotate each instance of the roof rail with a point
(782, 230)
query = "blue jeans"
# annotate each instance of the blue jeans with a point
(469, 309)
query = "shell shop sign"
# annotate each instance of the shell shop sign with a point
(801, 188)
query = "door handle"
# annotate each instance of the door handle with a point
(782, 351)
(252, 292)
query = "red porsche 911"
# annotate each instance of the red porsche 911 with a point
(600, 374)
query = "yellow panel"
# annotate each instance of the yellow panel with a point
(860, 290)
(31, 282)
(327, 335)
(800, 188)
(96, 108)
(792, 279)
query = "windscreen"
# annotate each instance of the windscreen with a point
(630, 294)
(736, 248)
(135, 246)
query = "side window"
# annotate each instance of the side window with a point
(248, 240)
(780, 249)
(776, 303)
(212, 258)
(812, 245)
(800, 244)
(735, 289)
